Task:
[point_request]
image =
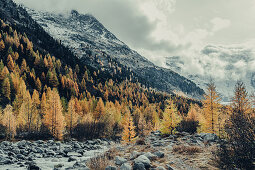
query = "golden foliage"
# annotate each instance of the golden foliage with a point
(72, 116)
(128, 134)
(53, 118)
(170, 119)
(9, 121)
(211, 106)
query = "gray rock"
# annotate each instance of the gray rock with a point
(76, 145)
(209, 137)
(139, 166)
(21, 144)
(150, 156)
(119, 160)
(159, 154)
(126, 166)
(38, 150)
(71, 159)
(50, 152)
(169, 167)
(20, 156)
(79, 165)
(74, 154)
(33, 166)
(134, 155)
(110, 168)
(144, 160)
(6, 143)
(161, 168)
(39, 142)
(5, 161)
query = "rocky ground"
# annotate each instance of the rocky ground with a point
(49, 154)
(180, 151)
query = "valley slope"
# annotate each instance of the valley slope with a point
(90, 40)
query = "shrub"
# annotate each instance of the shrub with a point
(189, 126)
(238, 149)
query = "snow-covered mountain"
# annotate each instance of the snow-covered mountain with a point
(224, 64)
(90, 41)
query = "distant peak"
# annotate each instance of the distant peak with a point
(75, 13)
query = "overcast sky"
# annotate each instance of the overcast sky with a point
(161, 28)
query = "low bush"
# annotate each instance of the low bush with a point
(189, 126)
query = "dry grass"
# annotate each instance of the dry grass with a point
(190, 150)
(98, 163)
(111, 153)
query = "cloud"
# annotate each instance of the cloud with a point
(219, 24)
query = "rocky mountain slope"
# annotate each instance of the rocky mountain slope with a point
(225, 65)
(90, 41)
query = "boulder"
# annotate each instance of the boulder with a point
(78, 165)
(71, 159)
(110, 168)
(119, 160)
(134, 155)
(150, 156)
(161, 168)
(32, 166)
(19, 156)
(144, 160)
(209, 137)
(138, 166)
(159, 154)
(125, 166)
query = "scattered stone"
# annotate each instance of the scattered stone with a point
(32, 166)
(71, 159)
(144, 160)
(134, 155)
(110, 168)
(119, 160)
(161, 168)
(159, 154)
(150, 156)
(139, 166)
(125, 166)
(169, 167)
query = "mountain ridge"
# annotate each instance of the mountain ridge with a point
(86, 36)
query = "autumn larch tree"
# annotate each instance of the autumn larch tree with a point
(240, 103)
(6, 88)
(9, 121)
(211, 106)
(71, 117)
(10, 63)
(36, 110)
(26, 117)
(143, 128)
(2, 46)
(53, 118)
(128, 134)
(171, 118)
(100, 110)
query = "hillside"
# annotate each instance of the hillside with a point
(90, 40)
